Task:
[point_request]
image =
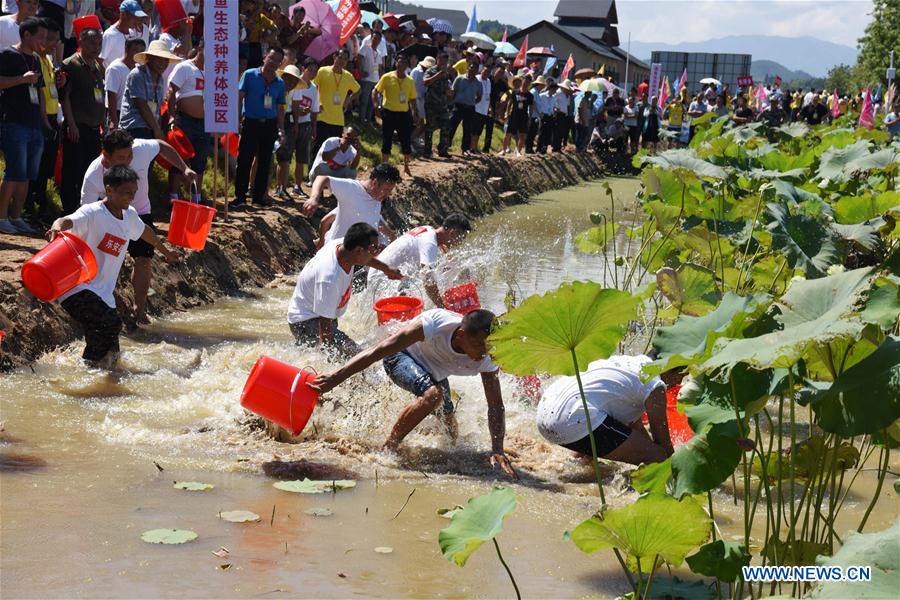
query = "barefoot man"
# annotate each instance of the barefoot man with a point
(419, 358)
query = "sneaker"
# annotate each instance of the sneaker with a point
(7, 227)
(264, 201)
(279, 191)
(22, 226)
(298, 191)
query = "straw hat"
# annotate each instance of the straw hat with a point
(566, 85)
(539, 80)
(291, 70)
(159, 49)
(427, 62)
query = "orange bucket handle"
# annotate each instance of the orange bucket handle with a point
(294, 387)
(75, 251)
(381, 282)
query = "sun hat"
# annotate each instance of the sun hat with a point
(539, 80)
(133, 7)
(291, 70)
(156, 48)
(566, 85)
(427, 62)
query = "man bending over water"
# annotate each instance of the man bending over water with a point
(419, 358)
(616, 399)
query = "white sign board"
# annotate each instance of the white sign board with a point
(655, 80)
(220, 95)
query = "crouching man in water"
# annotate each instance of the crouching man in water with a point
(420, 357)
(616, 399)
(324, 285)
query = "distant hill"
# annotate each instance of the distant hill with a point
(812, 55)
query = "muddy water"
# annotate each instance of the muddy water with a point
(89, 458)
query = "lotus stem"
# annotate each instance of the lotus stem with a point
(590, 426)
(650, 578)
(668, 233)
(505, 566)
(882, 472)
(793, 462)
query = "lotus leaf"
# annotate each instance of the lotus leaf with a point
(168, 536)
(319, 511)
(670, 189)
(691, 289)
(673, 588)
(652, 477)
(881, 551)
(750, 391)
(797, 129)
(807, 242)
(857, 209)
(238, 516)
(866, 397)
(834, 162)
(686, 161)
(314, 487)
(539, 335)
(706, 460)
(193, 486)
(447, 513)
(595, 239)
(783, 553)
(776, 175)
(883, 305)
(812, 204)
(863, 235)
(481, 520)
(653, 525)
(720, 559)
(886, 159)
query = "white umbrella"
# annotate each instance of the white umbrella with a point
(506, 49)
(712, 80)
(481, 40)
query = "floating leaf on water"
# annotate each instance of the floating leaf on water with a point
(448, 513)
(481, 520)
(691, 288)
(652, 477)
(720, 559)
(319, 511)
(168, 536)
(238, 516)
(222, 552)
(384, 550)
(706, 460)
(880, 551)
(308, 486)
(193, 486)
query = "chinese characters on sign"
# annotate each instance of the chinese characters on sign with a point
(348, 14)
(745, 81)
(220, 99)
(655, 77)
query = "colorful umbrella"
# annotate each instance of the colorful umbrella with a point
(441, 26)
(540, 51)
(481, 40)
(322, 16)
(369, 18)
(505, 49)
(420, 50)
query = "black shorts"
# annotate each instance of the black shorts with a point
(304, 141)
(518, 123)
(608, 435)
(138, 248)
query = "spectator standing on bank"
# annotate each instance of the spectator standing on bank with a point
(417, 74)
(115, 36)
(652, 121)
(24, 116)
(584, 121)
(483, 107)
(540, 108)
(370, 66)
(84, 111)
(116, 76)
(398, 111)
(499, 88)
(437, 99)
(560, 103)
(305, 110)
(145, 92)
(548, 121)
(261, 95)
(185, 102)
(520, 104)
(815, 112)
(9, 24)
(337, 90)
(284, 151)
(630, 115)
(466, 92)
(41, 207)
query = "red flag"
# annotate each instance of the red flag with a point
(867, 116)
(348, 14)
(570, 64)
(683, 83)
(520, 57)
(503, 39)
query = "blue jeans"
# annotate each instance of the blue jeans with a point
(407, 373)
(366, 109)
(200, 140)
(23, 147)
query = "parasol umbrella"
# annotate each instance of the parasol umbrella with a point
(712, 80)
(322, 16)
(584, 74)
(481, 40)
(419, 50)
(540, 51)
(369, 7)
(369, 17)
(505, 49)
(441, 26)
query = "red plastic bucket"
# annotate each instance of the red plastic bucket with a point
(182, 145)
(170, 12)
(398, 308)
(60, 265)
(82, 23)
(679, 429)
(462, 299)
(234, 143)
(190, 223)
(278, 392)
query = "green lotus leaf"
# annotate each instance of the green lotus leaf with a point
(883, 305)
(750, 391)
(775, 174)
(857, 209)
(314, 487)
(839, 138)
(806, 242)
(671, 189)
(797, 129)
(691, 289)
(238, 516)
(880, 551)
(539, 335)
(595, 239)
(193, 486)
(811, 204)
(720, 559)
(813, 313)
(886, 159)
(168, 536)
(447, 513)
(809, 457)
(744, 133)
(686, 161)
(652, 477)
(706, 460)
(653, 525)
(863, 235)
(481, 520)
(866, 397)
(791, 554)
(673, 588)
(834, 162)
(690, 339)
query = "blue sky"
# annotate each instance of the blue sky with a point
(673, 21)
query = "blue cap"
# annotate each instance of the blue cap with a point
(133, 7)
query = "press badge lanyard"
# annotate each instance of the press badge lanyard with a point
(267, 99)
(336, 99)
(32, 89)
(96, 78)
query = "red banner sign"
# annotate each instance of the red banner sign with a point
(745, 80)
(348, 14)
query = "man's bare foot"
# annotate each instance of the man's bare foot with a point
(141, 319)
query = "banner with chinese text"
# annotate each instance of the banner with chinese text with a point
(220, 97)
(348, 14)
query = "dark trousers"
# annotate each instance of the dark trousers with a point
(257, 140)
(436, 119)
(402, 123)
(488, 133)
(37, 191)
(548, 123)
(323, 132)
(560, 130)
(533, 128)
(101, 323)
(466, 115)
(77, 157)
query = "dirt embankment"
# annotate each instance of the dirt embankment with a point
(252, 247)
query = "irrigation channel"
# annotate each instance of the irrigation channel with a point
(90, 458)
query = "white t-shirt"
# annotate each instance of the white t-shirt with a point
(114, 42)
(370, 59)
(482, 107)
(354, 205)
(343, 157)
(10, 6)
(418, 77)
(611, 387)
(323, 287)
(9, 32)
(108, 239)
(437, 355)
(171, 43)
(188, 78)
(415, 248)
(116, 74)
(145, 152)
(308, 97)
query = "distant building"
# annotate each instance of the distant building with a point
(587, 30)
(724, 67)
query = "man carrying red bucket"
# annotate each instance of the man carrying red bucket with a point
(420, 357)
(106, 227)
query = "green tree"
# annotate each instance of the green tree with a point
(882, 35)
(842, 78)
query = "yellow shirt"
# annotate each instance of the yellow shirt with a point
(397, 92)
(676, 114)
(333, 90)
(51, 97)
(257, 26)
(462, 66)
